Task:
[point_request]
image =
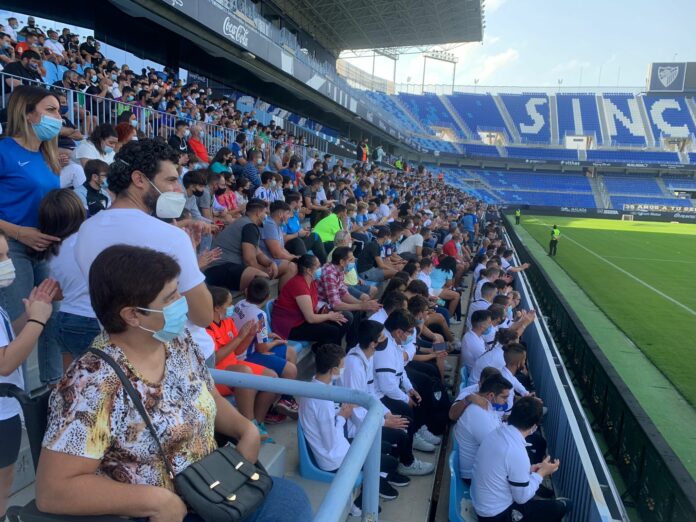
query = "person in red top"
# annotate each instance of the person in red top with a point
(196, 145)
(455, 248)
(230, 351)
(296, 313)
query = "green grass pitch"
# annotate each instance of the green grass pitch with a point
(643, 277)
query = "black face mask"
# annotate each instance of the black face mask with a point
(381, 345)
(198, 193)
(220, 191)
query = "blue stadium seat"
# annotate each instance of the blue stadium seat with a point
(623, 119)
(679, 183)
(577, 115)
(479, 112)
(298, 346)
(539, 153)
(458, 488)
(473, 150)
(430, 111)
(308, 466)
(669, 117)
(619, 201)
(633, 156)
(530, 114)
(633, 184)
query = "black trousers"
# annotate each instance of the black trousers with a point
(435, 402)
(398, 444)
(397, 407)
(326, 332)
(517, 220)
(299, 246)
(553, 244)
(531, 511)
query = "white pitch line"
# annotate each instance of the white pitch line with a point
(629, 274)
(653, 259)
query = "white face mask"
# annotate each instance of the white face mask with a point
(7, 273)
(170, 205)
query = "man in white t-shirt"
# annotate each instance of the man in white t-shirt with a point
(145, 180)
(473, 345)
(477, 422)
(487, 295)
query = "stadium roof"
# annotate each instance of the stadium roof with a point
(370, 24)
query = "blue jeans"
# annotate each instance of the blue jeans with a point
(74, 333)
(29, 273)
(286, 502)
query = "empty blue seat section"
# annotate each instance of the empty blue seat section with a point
(632, 156)
(530, 114)
(581, 121)
(474, 150)
(479, 112)
(539, 153)
(430, 111)
(632, 184)
(551, 199)
(679, 183)
(619, 201)
(692, 157)
(436, 144)
(499, 179)
(624, 123)
(390, 107)
(669, 117)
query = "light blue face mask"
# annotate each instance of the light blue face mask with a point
(47, 128)
(317, 274)
(509, 313)
(410, 339)
(229, 312)
(108, 150)
(350, 267)
(175, 316)
(488, 331)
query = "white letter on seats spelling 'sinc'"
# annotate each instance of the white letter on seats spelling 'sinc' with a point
(535, 115)
(613, 113)
(657, 115)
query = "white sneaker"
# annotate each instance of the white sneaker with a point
(429, 437)
(454, 320)
(448, 366)
(417, 467)
(420, 444)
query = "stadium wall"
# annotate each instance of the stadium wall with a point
(639, 215)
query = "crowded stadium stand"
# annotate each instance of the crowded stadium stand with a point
(287, 207)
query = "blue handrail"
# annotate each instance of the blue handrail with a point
(365, 448)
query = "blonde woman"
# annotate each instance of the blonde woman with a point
(29, 169)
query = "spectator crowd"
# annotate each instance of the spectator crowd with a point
(162, 247)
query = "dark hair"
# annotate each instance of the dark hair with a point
(479, 317)
(279, 205)
(512, 351)
(487, 289)
(394, 285)
(95, 166)
(304, 263)
(526, 412)
(30, 55)
(145, 155)
(124, 275)
(219, 294)
(393, 301)
(292, 195)
(327, 356)
(369, 332)
(100, 133)
(181, 123)
(448, 263)
(60, 214)
(411, 268)
(425, 262)
(495, 384)
(220, 155)
(418, 304)
(255, 204)
(501, 299)
(258, 290)
(339, 208)
(339, 254)
(497, 312)
(418, 287)
(404, 277)
(400, 320)
(266, 176)
(194, 177)
(500, 284)
(506, 336)
(488, 371)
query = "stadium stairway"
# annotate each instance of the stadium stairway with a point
(407, 112)
(665, 191)
(553, 110)
(603, 192)
(458, 120)
(597, 192)
(605, 139)
(511, 127)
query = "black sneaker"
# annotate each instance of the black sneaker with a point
(398, 480)
(544, 492)
(386, 491)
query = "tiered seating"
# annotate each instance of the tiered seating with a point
(479, 112)
(430, 111)
(436, 145)
(679, 183)
(539, 153)
(624, 123)
(639, 185)
(619, 201)
(551, 199)
(632, 156)
(474, 150)
(530, 114)
(669, 117)
(536, 181)
(582, 120)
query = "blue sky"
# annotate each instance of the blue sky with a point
(537, 42)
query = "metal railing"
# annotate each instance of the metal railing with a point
(364, 452)
(658, 485)
(583, 475)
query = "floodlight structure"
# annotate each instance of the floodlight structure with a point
(442, 56)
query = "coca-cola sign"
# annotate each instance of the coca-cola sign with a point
(235, 32)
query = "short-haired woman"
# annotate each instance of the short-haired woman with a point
(96, 442)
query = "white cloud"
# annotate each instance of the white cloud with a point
(491, 64)
(493, 5)
(570, 65)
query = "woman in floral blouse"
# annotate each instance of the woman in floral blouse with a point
(96, 443)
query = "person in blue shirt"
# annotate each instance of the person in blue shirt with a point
(291, 170)
(29, 169)
(253, 168)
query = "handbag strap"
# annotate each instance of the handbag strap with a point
(137, 402)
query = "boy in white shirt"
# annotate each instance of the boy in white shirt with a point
(323, 422)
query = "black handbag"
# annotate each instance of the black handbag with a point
(221, 487)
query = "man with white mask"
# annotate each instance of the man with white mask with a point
(145, 180)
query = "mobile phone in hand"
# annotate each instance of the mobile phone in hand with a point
(439, 347)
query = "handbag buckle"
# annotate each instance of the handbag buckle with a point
(255, 476)
(239, 465)
(215, 484)
(232, 498)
